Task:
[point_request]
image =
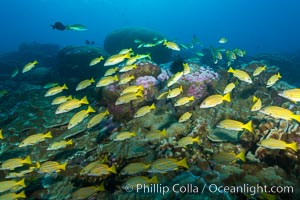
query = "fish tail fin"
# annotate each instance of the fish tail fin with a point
(105, 159)
(180, 88)
(148, 166)
(21, 195)
(92, 80)
(264, 67)
(197, 139)
(279, 76)
(293, 146)
(38, 165)
(1, 136)
(69, 97)
(230, 70)
(116, 78)
(192, 98)
(27, 160)
(164, 132)
(241, 156)
(153, 180)
(296, 117)
(134, 134)
(63, 166)
(227, 97)
(113, 169)
(139, 94)
(254, 98)
(65, 87)
(70, 142)
(101, 188)
(183, 163)
(21, 183)
(90, 109)
(152, 106)
(48, 135)
(248, 126)
(106, 112)
(134, 66)
(35, 62)
(84, 100)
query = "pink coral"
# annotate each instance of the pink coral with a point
(163, 76)
(150, 86)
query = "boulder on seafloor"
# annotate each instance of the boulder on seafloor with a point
(74, 62)
(124, 38)
(223, 135)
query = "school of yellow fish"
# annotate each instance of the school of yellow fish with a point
(129, 94)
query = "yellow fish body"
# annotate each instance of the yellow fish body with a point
(186, 68)
(86, 192)
(134, 168)
(174, 92)
(29, 66)
(171, 45)
(162, 95)
(127, 68)
(95, 61)
(128, 97)
(116, 59)
(102, 169)
(223, 40)
(134, 181)
(1, 135)
(126, 79)
(174, 78)
(273, 79)
(183, 142)
(229, 87)
(50, 85)
(257, 105)
(185, 116)
(241, 75)
(13, 163)
(280, 113)
(34, 139)
(164, 165)
(60, 145)
(13, 196)
(234, 125)
(52, 167)
(259, 70)
(156, 135)
(184, 100)
(291, 94)
(142, 56)
(132, 89)
(107, 81)
(8, 185)
(111, 71)
(55, 90)
(215, 100)
(131, 60)
(79, 117)
(125, 51)
(124, 135)
(229, 157)
(97, 119)
(271, 143)
(70, 105)
(61, 99)
(84, 84)
(144, 110)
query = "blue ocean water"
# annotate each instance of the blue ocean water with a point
(257, 26)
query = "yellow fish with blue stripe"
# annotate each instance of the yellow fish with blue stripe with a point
(259, 70)
(127, 68)
(79, 117)
(13, 163)
(291, 94)
(144, 110)
(272, 143)
(13, 196)
(175, 92)
(125, 80)
(1, 134)
(107, 80)
(116, 59)
(174, 78)
(273, 79)
(95, 120)
(164, 165)
(111, 71)
(156, 135)
(29, 66)
(280, 113)
(124, 135)
(234, 125)
(183, 142)
(70, 105)
(171, 45)
(34, 139)
(102, 169)
(60, 144)
(134, 168)
(186, 68)
(132, 89)
(229, 157)
(185, 116)
(184, 100)
(229, 87)
(8, 185)
(215, 100)
(55, 90)
(95, 61)
(240, 74)
(84, 84)
(143, 180)
(61, 99)
(52, 167)
(128, 97)
(86, 192)
(257, 104)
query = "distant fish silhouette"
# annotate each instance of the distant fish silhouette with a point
(87, 42)
(59, 26)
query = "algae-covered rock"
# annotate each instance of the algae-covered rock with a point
(74, 61)
(124, 38)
